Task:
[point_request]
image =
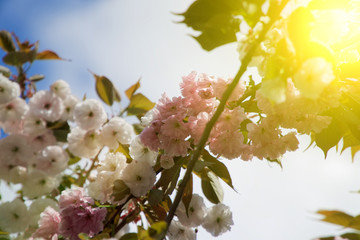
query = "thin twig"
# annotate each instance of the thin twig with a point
(118, 211)
(82, 180)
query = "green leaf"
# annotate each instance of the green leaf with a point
(349, 140)
(143, 234)
(36, 77)
(129, 236)
(216, 21)
(4, 235)
(200, 165)
(138, 128)
(72, 158)
(101, 236)
(187, 194)
(329, 137)
(124, 149)
(19, 58)
(351, 236)
(339, 218)
(131, 90)
(219, 30)
(6, 41)
(139, 105)
(327, 238)
(277, 161)
(211, 187)
(105, 206)
(250, 106)
(218, 168)
(48, 55)
(60, 130)
(67, 182)
(158, 230)
(106, 90)
(120, 190)
(169, 177)
(354, 150)
(84, 236)
(219, 20)
(155, 196)
(5, 71)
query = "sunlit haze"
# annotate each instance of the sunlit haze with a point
(127, 40)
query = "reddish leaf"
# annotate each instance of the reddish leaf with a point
(48, 55)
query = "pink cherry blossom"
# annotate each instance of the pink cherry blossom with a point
(149, 136)
(74, 197)
(228, 144)
(197, 125)
(168, 107)
(48, 224)
(174, 146)
(80, 219)
(174, 127)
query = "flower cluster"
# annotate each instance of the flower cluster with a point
(216, 220)
(92, 133)
(31, 154)
(299, 79)
(178, 123)
(73, 214)
(35, 157)
(78, 216)
(138, 175)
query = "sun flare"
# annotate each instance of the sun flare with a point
(339, 29)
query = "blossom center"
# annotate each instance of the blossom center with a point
(47, 105)
(15, 149)
(9, 107)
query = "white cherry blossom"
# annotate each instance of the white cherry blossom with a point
(89, 114)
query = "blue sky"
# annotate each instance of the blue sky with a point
(128, 39)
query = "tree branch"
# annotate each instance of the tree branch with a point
(275, 14)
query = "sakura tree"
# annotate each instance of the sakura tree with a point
(85, 173)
